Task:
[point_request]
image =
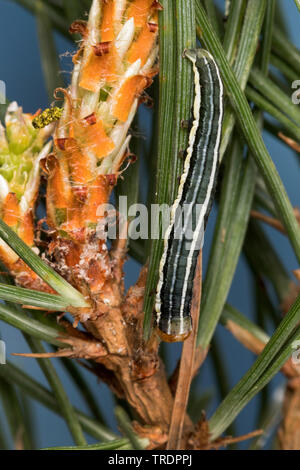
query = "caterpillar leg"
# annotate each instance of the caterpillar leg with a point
(174, 329)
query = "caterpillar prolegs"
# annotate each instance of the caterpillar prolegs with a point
(194, 199)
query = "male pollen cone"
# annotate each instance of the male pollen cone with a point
(112, 68)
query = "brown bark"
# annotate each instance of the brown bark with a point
(179, 419)
(289, 432)
(116, 321)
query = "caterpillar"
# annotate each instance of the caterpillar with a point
(197, 184)
(46, 117)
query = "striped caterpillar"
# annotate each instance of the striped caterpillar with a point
(196, 189)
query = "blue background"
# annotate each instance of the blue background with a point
(20, 68)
